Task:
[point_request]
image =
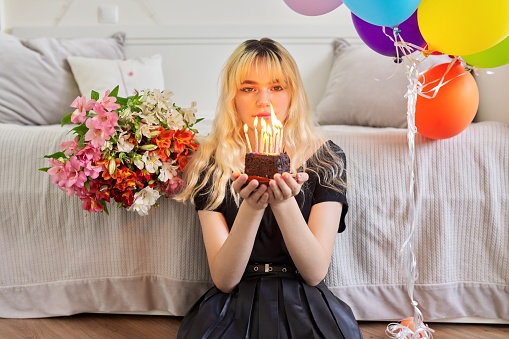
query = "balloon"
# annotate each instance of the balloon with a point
(313, 7)
(454, 106)
(495, 56)
(463, 27)
(409, 322)
(377, 40)
(383, 13)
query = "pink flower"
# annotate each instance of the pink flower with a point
(82, 107)
(74, 175)
(96, 134)
(57, 172)
(173, 186)
(69, 147)
(92, 170)
(109, 103)
(108, 121)
(89, 153)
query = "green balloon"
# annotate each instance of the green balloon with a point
(495, 56)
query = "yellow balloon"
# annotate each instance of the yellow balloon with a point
(462, 27)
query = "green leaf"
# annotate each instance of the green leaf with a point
(56, 155)
(94, 95)
(81, 142)
(44, 169)
(66, 119)
(80, 130)
(114, 92)
(122, 101)
(103, 202)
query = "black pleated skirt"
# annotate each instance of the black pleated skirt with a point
(270, 305)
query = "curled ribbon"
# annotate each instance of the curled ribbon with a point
(414, 88)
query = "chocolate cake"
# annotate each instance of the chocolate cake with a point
(264, 166)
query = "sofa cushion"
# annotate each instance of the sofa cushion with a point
(366, 88)
(129, 74)
(36, 80)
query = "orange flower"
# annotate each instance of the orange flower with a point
(106, 163)
(184, 139)
(163, 140)
(125, 178)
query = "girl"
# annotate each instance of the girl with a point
(268, 245)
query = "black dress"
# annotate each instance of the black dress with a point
(277, 303)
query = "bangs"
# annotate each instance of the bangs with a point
(267, 61)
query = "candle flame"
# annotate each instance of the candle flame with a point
(245, 128)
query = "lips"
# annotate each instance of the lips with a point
(263, 115)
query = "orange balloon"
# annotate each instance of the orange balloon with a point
(453, 108)
(409, 322)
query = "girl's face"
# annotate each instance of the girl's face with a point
(258, 90)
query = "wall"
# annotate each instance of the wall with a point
(163, 12)
(186, 30)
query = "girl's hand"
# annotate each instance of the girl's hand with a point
(285, 186)
(253, 193)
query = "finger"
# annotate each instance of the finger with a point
(293, 186)
(248, 188)
(260, 195)
(239, 181)
(282, 184)
(274, 190)
(301, 177)
(234, 176)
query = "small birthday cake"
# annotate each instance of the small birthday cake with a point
(264, 166)
(269, 156)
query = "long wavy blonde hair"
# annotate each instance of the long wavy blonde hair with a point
(223, 150)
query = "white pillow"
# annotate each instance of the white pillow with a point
(366, 88)
(129, 74)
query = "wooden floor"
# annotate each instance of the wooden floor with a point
(109, 326)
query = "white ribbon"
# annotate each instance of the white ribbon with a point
(407, 254)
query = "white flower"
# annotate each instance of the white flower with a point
(138, 161)
(190, 113)
(123, 144)
(145, 130)
(143, 200)
(175, 120)
(152, 162)
(167, 171)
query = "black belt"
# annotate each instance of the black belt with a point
(267, 268)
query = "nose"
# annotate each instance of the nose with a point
(263, 98)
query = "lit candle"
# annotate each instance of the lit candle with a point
(256, 133)
(280, 136)
(262, 137)
(277, 128)
(271, 139)
(276, 140)
(247, 139)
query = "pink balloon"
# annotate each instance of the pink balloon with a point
(313, 7)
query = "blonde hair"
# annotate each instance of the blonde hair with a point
(223, 150)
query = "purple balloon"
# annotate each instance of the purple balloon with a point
(375, 36)
(313, 7)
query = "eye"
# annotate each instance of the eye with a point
(247, 89)
(277, 88)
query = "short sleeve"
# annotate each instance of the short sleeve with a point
(323, 193)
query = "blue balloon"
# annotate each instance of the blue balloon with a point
(388, 13)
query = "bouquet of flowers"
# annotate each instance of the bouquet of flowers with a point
(130, 149)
